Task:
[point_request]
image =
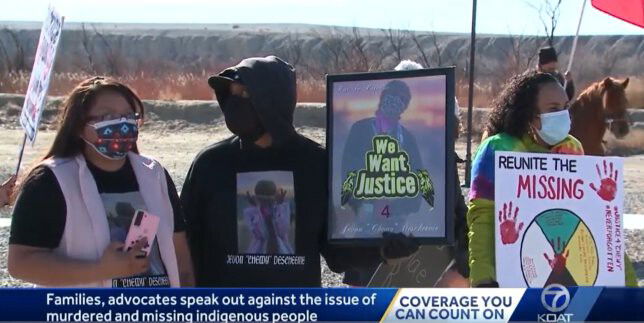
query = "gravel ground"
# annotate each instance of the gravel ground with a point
(177, 152)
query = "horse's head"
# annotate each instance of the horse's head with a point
(615, 104)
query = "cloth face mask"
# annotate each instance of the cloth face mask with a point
(115, 137)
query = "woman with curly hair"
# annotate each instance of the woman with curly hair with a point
(530, 115)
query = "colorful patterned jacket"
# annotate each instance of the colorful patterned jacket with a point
(480, 215)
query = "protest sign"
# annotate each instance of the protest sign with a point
(558, 219)
(40, 76)
(422, 269)
(391, 145)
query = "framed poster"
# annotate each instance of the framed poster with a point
(391, 150)
(558, 220)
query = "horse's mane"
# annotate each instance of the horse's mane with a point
(590, 94)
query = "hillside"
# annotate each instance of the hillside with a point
(156, 49)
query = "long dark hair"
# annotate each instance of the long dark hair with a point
(516, 106)
(73, 117)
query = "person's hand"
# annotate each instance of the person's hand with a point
(397, 246)
(568, 76)
(608, 183)
(6, 190)
(558, 262)
(118, 263)
(508, 224)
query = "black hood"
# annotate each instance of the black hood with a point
(270, 82)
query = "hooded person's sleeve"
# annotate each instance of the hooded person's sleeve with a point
(191, 205)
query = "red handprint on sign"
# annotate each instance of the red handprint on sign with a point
(558, 262)
(608, 184)
(508, 227)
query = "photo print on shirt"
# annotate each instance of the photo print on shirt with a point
(266, 213)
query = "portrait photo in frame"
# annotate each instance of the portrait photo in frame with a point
(390, 139)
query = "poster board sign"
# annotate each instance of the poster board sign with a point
(41, 74)
(558, 219)
(390, 138)
(422, 269)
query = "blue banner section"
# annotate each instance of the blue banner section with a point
(618, 304)
(164, 305)
(556, 303)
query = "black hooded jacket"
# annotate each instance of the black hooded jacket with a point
(222, 225)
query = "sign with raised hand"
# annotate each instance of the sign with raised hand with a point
(558, 220)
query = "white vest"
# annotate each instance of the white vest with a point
(87, 231)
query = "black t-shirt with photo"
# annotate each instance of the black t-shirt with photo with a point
(40, 213)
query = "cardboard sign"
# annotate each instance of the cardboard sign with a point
(422, 269)
(558, 219)
(41, 74)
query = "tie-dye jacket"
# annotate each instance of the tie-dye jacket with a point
(480, 215)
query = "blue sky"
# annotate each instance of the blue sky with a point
(494, 16)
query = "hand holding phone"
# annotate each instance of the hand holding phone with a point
(143, 226)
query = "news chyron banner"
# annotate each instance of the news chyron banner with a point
(554, 303)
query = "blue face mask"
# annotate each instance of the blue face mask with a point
(115, 137)
(555, 126)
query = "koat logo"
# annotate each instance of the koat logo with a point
(555, 298)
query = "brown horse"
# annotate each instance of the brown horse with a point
(599, 107)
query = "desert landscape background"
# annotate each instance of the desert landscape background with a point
(169, 65)
(171, 62)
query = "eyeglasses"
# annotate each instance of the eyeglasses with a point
(112, 116)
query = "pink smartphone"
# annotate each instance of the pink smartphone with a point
(144, 225)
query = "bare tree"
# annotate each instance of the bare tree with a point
(359, 50)
(549, 11)
(420, 49)
(336, 45)
(293, 49)
(396, 39)
(5, 55)
(437, 50)
(111, 56)
(520, 55)
(86, 41)
(19, 61)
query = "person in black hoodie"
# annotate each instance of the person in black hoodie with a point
(266, 183)
(548, 63)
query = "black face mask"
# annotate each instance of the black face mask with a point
(241, 118)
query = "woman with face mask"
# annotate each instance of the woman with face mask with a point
(75, 207)
(530, 115)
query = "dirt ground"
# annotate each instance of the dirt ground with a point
(176, 145)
